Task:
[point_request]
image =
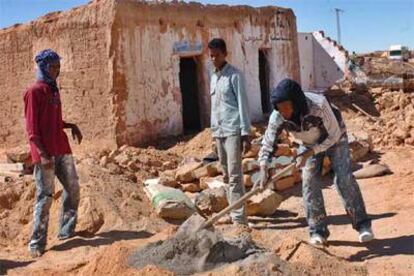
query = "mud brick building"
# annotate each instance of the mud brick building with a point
(135, 71)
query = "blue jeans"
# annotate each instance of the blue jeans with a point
(230, 156)
(64, 168)
(344, 182)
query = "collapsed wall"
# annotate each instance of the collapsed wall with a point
(322, 61)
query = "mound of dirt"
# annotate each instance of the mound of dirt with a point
(392, 114)
(188, 252)
(198, 146)
(382, 67)
(108, 201)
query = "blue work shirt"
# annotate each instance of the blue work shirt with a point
(229, 106)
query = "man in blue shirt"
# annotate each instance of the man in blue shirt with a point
(230, 123)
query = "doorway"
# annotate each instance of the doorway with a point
(264, 82)
(190, 95)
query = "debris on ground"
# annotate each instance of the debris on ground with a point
(188, 252)
(372, 170)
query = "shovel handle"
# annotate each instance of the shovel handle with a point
(244, 198)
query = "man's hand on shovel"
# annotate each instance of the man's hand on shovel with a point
(264, 177)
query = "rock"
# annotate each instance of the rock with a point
(122, 159)
(207, 170)
(113, 168)
(211, 182)
(372, 171)
(168, 165)
(103, 161)
(123, 147)
(168, 181)
(401, 133)
(298, 176)
(190, 187)
(204, 182)
(191, 195)
(20, 154)
(212, 200)
(168, 173)
(184, 173)
(360, 143)
(155, 163)
(112, 154)
(217, 167)
(132, 166)
(247, 180)
(409, 141)
(253, 152)
(90, 218)
(250, 164)
(283, 150)
(284, 183)
(263, 204)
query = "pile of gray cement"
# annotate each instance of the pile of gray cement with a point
(189, 252)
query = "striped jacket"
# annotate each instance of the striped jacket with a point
(320, 129)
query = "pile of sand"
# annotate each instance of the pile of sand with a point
(188, 252)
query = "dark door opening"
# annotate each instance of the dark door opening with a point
(264, 82)
(190, 95)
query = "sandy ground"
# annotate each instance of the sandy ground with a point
(389, 200)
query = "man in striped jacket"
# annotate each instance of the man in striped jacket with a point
(319, 129)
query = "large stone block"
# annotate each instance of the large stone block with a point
(184, 173)
(284, 183)
(207, 170)
(263, 204)
(250, 164)
(212, 200)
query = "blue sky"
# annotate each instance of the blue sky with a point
(366, 25)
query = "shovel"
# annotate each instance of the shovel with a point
(243, 199)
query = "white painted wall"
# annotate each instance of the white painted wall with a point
(152, 106)
(322, 61)
(305, 42)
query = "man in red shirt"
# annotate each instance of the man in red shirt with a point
(51, 152)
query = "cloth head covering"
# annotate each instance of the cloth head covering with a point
(290, 90)
(43, 60)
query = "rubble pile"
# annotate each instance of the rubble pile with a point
(136, 163)
(396, 124)
(203, 181)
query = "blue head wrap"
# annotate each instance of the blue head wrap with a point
(43, 60)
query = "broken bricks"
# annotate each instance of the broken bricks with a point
(250, 164)
(184, 172)
(264, 203)
(190, 187)
(212, 200)
(210, 170)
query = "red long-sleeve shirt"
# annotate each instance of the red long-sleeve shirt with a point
(43, 113)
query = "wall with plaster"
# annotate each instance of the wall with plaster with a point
(81, 36)
(322, 61)
(120, 69)
(149, 50)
